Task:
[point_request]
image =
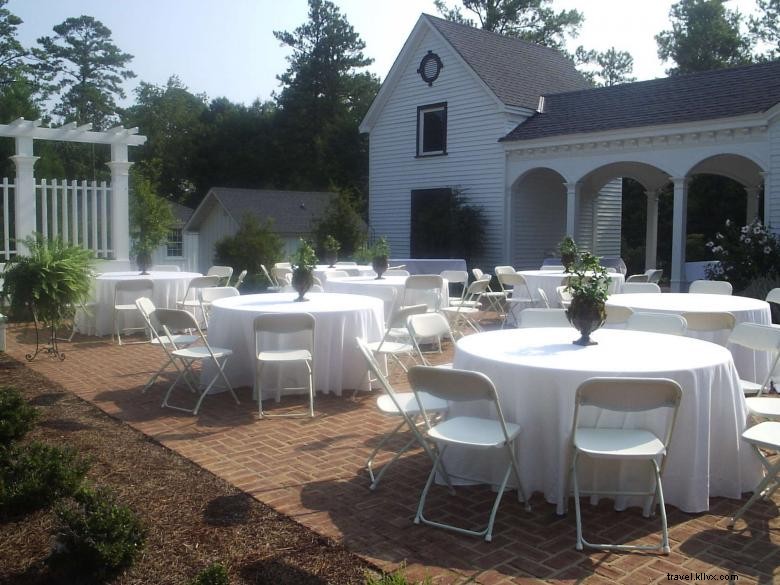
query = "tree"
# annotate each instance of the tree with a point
(615, 66)
(766, 29)
(83, 65)
(323, 99)
(342, 222)
(705, 35)
(253, 245)
(12, 53)
(151, 219)
(532, 20)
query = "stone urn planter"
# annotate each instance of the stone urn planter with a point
(380, 265)
(586, 315)
(302, 281)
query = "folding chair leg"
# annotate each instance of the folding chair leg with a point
(762, 489)
(370, 460)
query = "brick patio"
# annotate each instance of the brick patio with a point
(313, 471)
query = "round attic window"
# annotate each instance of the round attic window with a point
(430, 67)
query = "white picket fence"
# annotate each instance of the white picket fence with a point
(78, 212)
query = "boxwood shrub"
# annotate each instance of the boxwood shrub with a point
(17, 417)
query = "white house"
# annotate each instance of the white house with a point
(518, 131)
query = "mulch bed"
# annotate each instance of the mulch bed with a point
(193, 518)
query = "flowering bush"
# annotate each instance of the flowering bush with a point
(745, 253)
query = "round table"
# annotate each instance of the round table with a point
(362, 270)
(537, 371)
(549, 280)
(169, 287)
(339, 319)
(361, 285)
(751, 365)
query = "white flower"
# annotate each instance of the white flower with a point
(744, 229)
(747, 240)
(717, 249)
(767, 250)
(710, 244)
(719, 236)
(728, 222)
(757, 230)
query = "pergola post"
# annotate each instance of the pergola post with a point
(651, 233)
(25, 211)
(679, 232)
(572, 203)
(120, 208)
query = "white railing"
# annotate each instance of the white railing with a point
(78, 212)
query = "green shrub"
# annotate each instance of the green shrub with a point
(252, 245)
(16, 416)
(35, 475)
(745, 254)
(214, 574)
(395, 578)
(98, 536)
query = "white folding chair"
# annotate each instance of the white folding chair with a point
(564, 296)
(396, 272)
(223, 272)
(759, 338)
(126, 292)
(764, 436)
(458, 277)
(667, 323)
(171, 320)
(630, 288)
(617, 315)
(467, 312)
(395, 342)
(711, 287)
(428, 326)
(328, 274)
(193, 300)
(281, 275)
(654, 275)
(466, 431)
(423, 288)
(346, 263)
(283, 265)
(177, 340)
(165, 268)
(624, 395)
(773, 296)
(240, 279)
(273, 286)
(543, 298)
(288, 329)
(399, 404)
(637, 278)
(709, 321)
(519, 295)
(533, 317)
(214, 293)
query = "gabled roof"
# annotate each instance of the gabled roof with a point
(723, 93)
(292, 212)
(181, 213)
(514, 71)
(517, 71)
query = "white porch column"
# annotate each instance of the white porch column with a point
(24, 192)
(679, 232)
(120, 208)
(651, 233)
(572, 204)
(751, 210)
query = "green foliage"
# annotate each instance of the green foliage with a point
(214, 574)
(11, 50)
(765, 29)
(97, 536)
(17, 417)
(53, 279)
(760, 286)
(342, 222)
(588, 280)
(380, 247)
(151, 219)
(533, 20)
(395, 578)
(82, 66)
(34, 475)
(252, 245)
(705, 35)
(331, 244)
(568, 246)
(613, 66)
(304, 258)
(745, 253)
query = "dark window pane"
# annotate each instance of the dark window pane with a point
(433, 131)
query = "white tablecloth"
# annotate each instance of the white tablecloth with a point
(369, 286)
(339, 319)
(548, 281)
(169, 287)
(537, 371)
(751, 365)
(363, 270)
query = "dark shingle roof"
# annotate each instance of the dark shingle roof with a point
(709, 95)
(517, 71)
(181, 213)
(292, 212)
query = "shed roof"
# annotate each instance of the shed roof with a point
(181, 213)
(709, 95)
(292, 212)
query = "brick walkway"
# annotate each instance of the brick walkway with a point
(312, 471)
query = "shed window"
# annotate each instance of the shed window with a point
(175, 245)
(432, 130)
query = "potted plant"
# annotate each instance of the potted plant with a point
(567, 248)
(380, 253)
(49, 283)
(303, 263)
(332, 247)
(150, 222)
(588, 285)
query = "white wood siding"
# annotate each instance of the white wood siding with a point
(217, 225)
(474, 160)
(608, 212)
(772, 181)
(538, 218)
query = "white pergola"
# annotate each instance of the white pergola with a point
(25, 132)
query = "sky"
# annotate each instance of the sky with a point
(226, 48)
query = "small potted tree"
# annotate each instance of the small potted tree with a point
(332, 247)
(380, 253)
(303, 263)
(588, 285)
(150, 222)
(567, 249)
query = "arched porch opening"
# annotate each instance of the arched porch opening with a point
(537, 216)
